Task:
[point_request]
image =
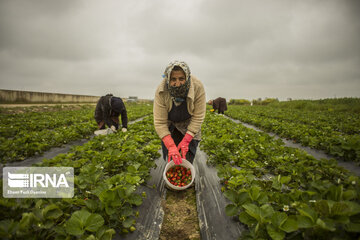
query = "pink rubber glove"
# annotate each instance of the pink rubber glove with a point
(173, 152)
(184, 144)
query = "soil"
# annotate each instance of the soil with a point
(181, 220)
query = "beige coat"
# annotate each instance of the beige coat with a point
(196, 105)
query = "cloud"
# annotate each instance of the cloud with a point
(239, 49)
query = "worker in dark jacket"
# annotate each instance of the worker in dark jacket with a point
(107, 112)
(219, 104)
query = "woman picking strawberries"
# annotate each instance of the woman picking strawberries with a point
(179, 110)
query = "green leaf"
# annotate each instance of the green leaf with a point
(107, 196)
(102, 187)
(60, 230)
(127, 211)
(135, 199)
(94, 222)
(110, 210)
(52, 212)
(328, 225)
(132, 179)
(48, 224)
(341, 219)
(26, 221)
(91, 237)
(349, 195)
(136, 165)
(76, 224)
(252, 210)
(108, 234)
(266, 211)
(129, 190)
(336, 193)
(75, 229)
(242, 198)
(278, 218)
(231, 195)
(131, 169)
(352, 227)
(121, 193)
(247, 219)
(285, 179)
(307, 211)
(323, 207)
(355, 207)
(91, 204)
(275, 234)
(340, 208)
(276, 184)
(290, 224)
(254, 192)
(307, 195)
(38, 213)
(304, 222)
(101, 231)
(8, 228)
(128, 222)
(39, 203)
(263, 198)
(231, 210)
(257, 228)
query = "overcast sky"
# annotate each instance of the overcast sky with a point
(303, 49)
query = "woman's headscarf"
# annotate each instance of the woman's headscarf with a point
(178, 93)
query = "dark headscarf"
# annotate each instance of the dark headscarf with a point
(178, 93)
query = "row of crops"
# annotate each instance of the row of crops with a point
(107, 171)
(335, 132)
(31, 133)
(279, 192)
(276, 192)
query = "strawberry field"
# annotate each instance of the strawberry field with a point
(31, 133)
(271, 191)
(108, 170)
(336, 131)
(280, 192)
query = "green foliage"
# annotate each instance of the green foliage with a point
(81, 221)
(239, 102)
(280, 192)
(266, 101)
(108, 169)
(335, 132)
(331, 104)
(23, 135)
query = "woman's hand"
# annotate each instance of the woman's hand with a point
(173, 152)
(184, 144)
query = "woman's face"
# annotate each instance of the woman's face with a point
(177, 78)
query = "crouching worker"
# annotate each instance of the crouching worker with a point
(107, 112)
(179, 110)
(218, 104)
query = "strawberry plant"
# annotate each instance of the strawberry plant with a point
(108, 169)
(279, 192)
(335, 132)
(29, 134)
